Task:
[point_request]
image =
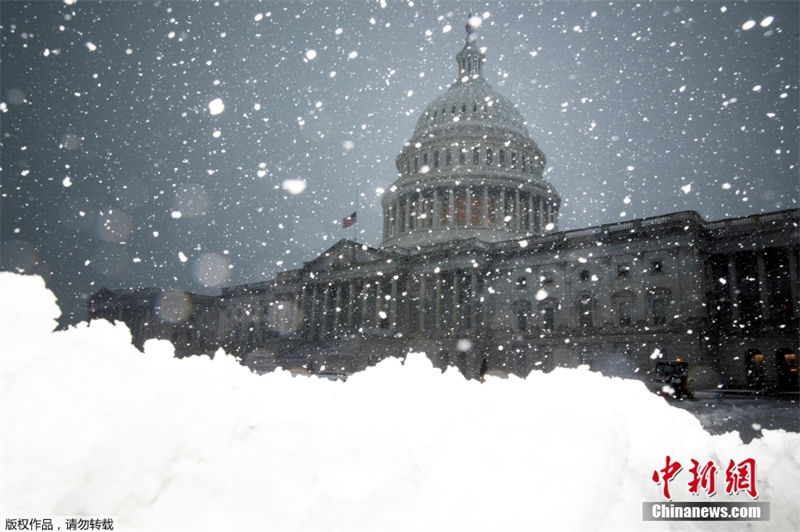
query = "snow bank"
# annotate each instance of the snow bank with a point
(92, 427)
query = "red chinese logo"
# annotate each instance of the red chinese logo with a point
(741, 477)
(738, 477)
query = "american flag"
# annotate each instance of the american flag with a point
(349, 221)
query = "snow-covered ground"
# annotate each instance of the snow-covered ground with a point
(91, 427)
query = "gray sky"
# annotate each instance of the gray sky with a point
(107, 134)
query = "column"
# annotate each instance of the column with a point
(350, 298)
(397, 228)
(452, 202)
(473, 304)
(313, 325)
(378, 301)
(363, 295)
(303, 315)
(763, 296)
(337, 307)
(792, 252)
(324, 314)
(549, 211)
(437, 321)
(422, 309)
(456, 314)
(517, 213)
(485, 207)
(468, 206)
(732, 289)
(408, 212)
(437, 209)
(540, 214)
(500, 209)
(531, 214)
(393, 304)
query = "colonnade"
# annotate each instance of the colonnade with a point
(521, 211)
(439, 304)
(755, 284)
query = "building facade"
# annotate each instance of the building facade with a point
(473, 270)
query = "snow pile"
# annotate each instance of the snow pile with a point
(91, 427)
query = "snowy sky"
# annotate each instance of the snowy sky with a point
(117, 169)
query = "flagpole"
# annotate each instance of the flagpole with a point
(356, 209)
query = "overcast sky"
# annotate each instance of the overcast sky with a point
(120, 168)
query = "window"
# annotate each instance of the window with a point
(623, 271)
(463, 108)
(522, 282)
(436, 159)
(522, 309)
(524, 162)
(462, 156)
(585, 311)
(659, 311)
(547, 278)
(476, 206)
(474, 107)
(461, 206)
(624, 311)
(503, 158)
(453, 110)
(416, 164)
(585, 275)
(488, 156)
(657, 266)
(514, 159)
(476, 155)
(444, 211)
(548, 315)
(425, 159)
(448, 157)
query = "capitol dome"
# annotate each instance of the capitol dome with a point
(470, 169)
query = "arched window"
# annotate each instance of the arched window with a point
(547, 313)
(436, 159)
(786, 362)
(514, 160)
(463, 108)
(503, 158)
(462, 156)
(586, 310)
(754, 364)
(522, 309)
(475, 212)
(425, 159)
(623, 305)
(448, 157)
(488, 156)
(461, 205)
(659, 299)
(476, 155)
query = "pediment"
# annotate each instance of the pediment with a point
(343, 255)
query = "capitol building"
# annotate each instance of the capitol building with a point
(473, 270)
